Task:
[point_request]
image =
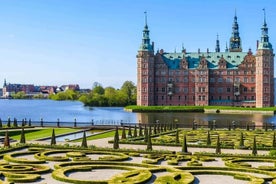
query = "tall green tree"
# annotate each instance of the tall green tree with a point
(254, 146)
(129, 89)
(135, 131)
(241, 140)
(22, 137)
(176, 136)
(146, 134)
(208, 139)
(274, 140)
(218, 149)
(184, 145)
(149, 144)
(84, 140)
(116, 139)
(7, 140)
(124, 133)
(53, 138)
(129, 132)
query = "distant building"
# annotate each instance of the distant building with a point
(9, 89)
(229, 78)
(74, 87)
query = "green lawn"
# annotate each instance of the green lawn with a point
(33, 134)
(100, 136)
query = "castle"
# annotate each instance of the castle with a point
(230, 78)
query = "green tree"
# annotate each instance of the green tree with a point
(84, 140)
(135, 131)
(184, 145)
(22, 137)
(124, 133)
(176, 136)
(218, 149)
(274, 140)
(254, 146)
(149, 144)
(116, 139)
(146, 134)
(53, 138)
(129, 89)
(97, 88)
(140, 131)
(208, 139)
(110, 94)
(19, 95)
(129, 132)
(7, 140)
(9, 122)
(241, 140)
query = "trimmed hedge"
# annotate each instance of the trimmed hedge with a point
(175, 178)
(132, 177)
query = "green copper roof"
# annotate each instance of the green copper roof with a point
(193, 58)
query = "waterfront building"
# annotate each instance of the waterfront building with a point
(227, 78)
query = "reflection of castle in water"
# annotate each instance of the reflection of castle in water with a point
(204, 120)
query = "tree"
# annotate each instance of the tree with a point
(176, 136)
(149, 144)
(135, 131)
(140, 131)
(208, 139)
(9, 122)
(218, 149)
(254, 147)
(184, 145)
(274, 140)
(15, 122)
(7, 140)
(124, 133)
(84, 141)
(146, 134)
(129, 90)
(241, 140)
(30, 122)
(22, 137)
(53, 138)
(110, 94)
(116, 139)
(129, 132)
(97, 88)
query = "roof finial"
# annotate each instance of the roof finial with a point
(146, 21)
(264, 16)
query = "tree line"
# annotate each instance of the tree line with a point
(100, 96)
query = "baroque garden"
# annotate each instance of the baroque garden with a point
(157, 153)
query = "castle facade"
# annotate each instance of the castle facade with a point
(229, 78)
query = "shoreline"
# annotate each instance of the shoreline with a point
(207, 110)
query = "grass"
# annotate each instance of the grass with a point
(33, 134)
(100, 136)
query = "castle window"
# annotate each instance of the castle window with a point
(265, 90)
(265, 80)
(185, 79)
(229, 72)
(186, 90)
(203, 98)
(228, 90)
(212, 90)
(253, 89)
(237, 79)
(252, 79)
(170, 97)
(245, 97)
(179, 97)
(156, 89)
(212, 98)
(220, 90)
(220, 80)
(162, 97)
(219, 97)
(228, 79)
(199, 98)
(245, 72)
(252, 98)
(212, 80)
(228, 97)
(245, 79)
(163, 89)
(245, 89)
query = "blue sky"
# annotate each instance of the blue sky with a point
(55, 42)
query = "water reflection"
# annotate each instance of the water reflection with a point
(203, 119)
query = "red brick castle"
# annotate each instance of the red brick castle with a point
(230, 78)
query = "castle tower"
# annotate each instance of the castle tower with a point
(217, 44)
(264, 70)
(145, 70)
(235, 40)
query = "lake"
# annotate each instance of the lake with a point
(67, 111)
